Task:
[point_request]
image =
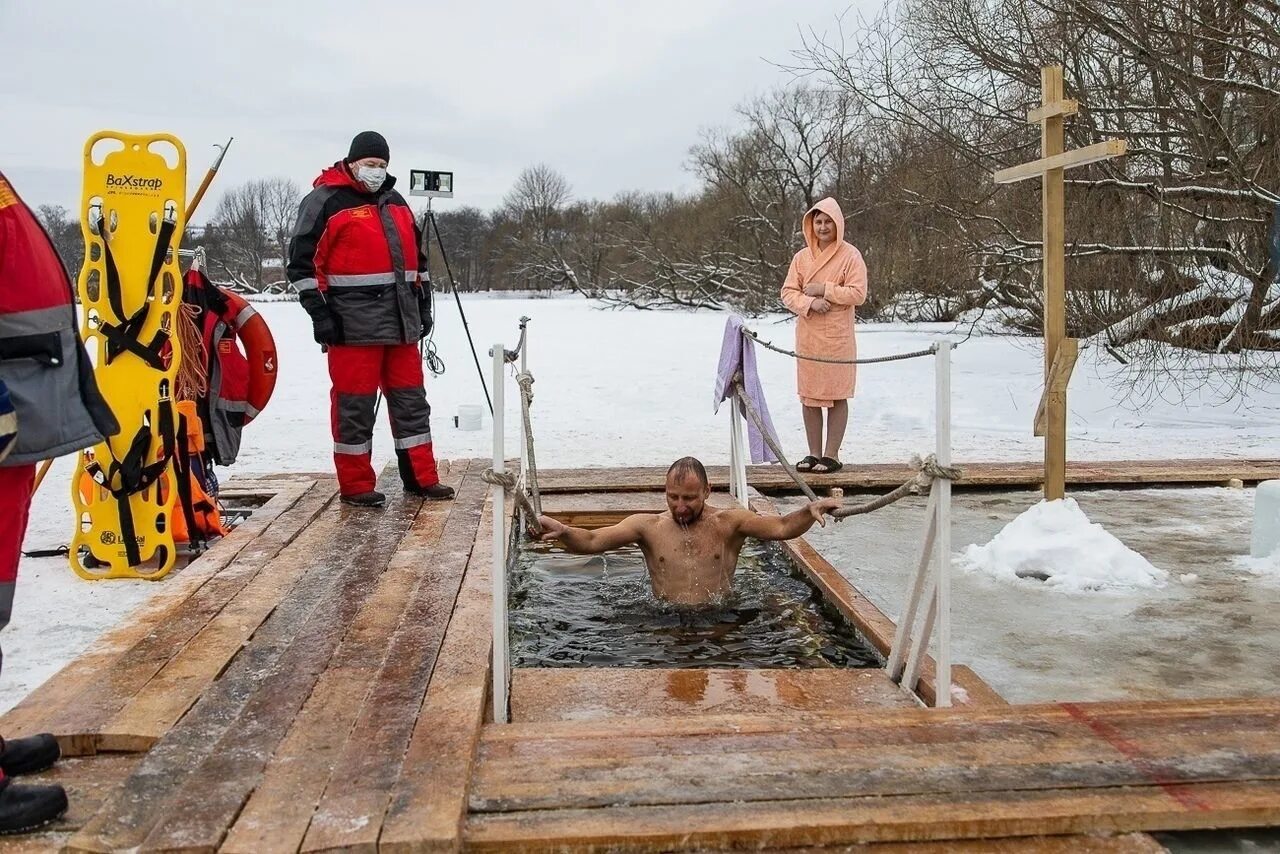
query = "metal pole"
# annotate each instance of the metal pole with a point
(920, 642)
(501, 660)
(733, 453)
(737, 454)
(907, 618)
(444, 256)
(943, 672)
(524, 369)
(744, 450)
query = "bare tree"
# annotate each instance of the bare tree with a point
(280, 200)
(466, 234)
(793, 147)
(536, 197)
(251, 227)
(64, 231)
(1169, 244)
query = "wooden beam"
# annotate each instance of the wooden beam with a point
(1059, 377)
(1063, 107)
(1053, 242)
(1063, 160)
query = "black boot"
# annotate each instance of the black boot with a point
(25, 807)
(365, 499)
(434, 492)
(28, 755)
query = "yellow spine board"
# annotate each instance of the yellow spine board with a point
(131, 188)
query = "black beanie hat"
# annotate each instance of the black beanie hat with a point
(368, 143)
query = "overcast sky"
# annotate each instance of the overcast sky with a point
(612, 94)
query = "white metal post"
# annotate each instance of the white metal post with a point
(942, 678)
(907, 617)
(920, 642)
(501, 659)
(733, 453)
(524, 369)
(738, 444)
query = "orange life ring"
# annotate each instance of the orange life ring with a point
(260, 351)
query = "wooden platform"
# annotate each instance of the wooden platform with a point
(318, 681)
(876, 477)
(890, 775)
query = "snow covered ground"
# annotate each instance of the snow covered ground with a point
(634, 388)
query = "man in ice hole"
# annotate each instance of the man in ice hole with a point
(692, 549)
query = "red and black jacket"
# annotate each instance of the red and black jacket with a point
(42, 360)
(354, 257)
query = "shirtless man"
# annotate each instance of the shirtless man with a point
(692, 549)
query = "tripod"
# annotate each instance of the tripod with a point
(428, 344)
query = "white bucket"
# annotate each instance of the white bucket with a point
(468, 417)
(1266, 518)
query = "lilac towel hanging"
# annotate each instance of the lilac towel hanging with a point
(738, 354)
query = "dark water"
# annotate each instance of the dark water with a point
(599, 611)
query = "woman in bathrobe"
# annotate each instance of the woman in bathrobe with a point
(826, 280)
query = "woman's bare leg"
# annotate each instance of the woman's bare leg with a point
(837, 421)
(813, 429)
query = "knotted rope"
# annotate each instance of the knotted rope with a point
(529, 502)
(525, 380)
(508, 482)
(927, 469)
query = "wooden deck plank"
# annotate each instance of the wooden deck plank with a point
(346, 633)
(278, 812)
(429, 802)
(531, 743)
(587, 693)
(877, 819)
(863, 477)
(1128, 843)
(153, 711)
(349, 817)
(89, 781)
(578, 734)
(336, 547)
(839, 765)
(75, 702)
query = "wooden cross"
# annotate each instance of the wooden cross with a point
(1059, 351)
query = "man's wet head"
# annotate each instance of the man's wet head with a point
(687, 490)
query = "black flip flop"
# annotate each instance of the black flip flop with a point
(807, 464)
(829, 466)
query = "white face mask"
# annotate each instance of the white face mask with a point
(372, 177)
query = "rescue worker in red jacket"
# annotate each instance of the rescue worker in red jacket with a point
(355, 264)
(59, 411)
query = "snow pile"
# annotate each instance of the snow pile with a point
(1055, 542)
(1263, 567)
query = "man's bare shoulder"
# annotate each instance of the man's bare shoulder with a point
(640, 522)
(732, 517)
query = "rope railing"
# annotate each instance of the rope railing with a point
(871, 360)
(927, 469)
(933, 473)
(530, 501)
(745, 400)
(525, 380)
(507, 480)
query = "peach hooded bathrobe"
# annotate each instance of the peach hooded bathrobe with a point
(841, 269)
